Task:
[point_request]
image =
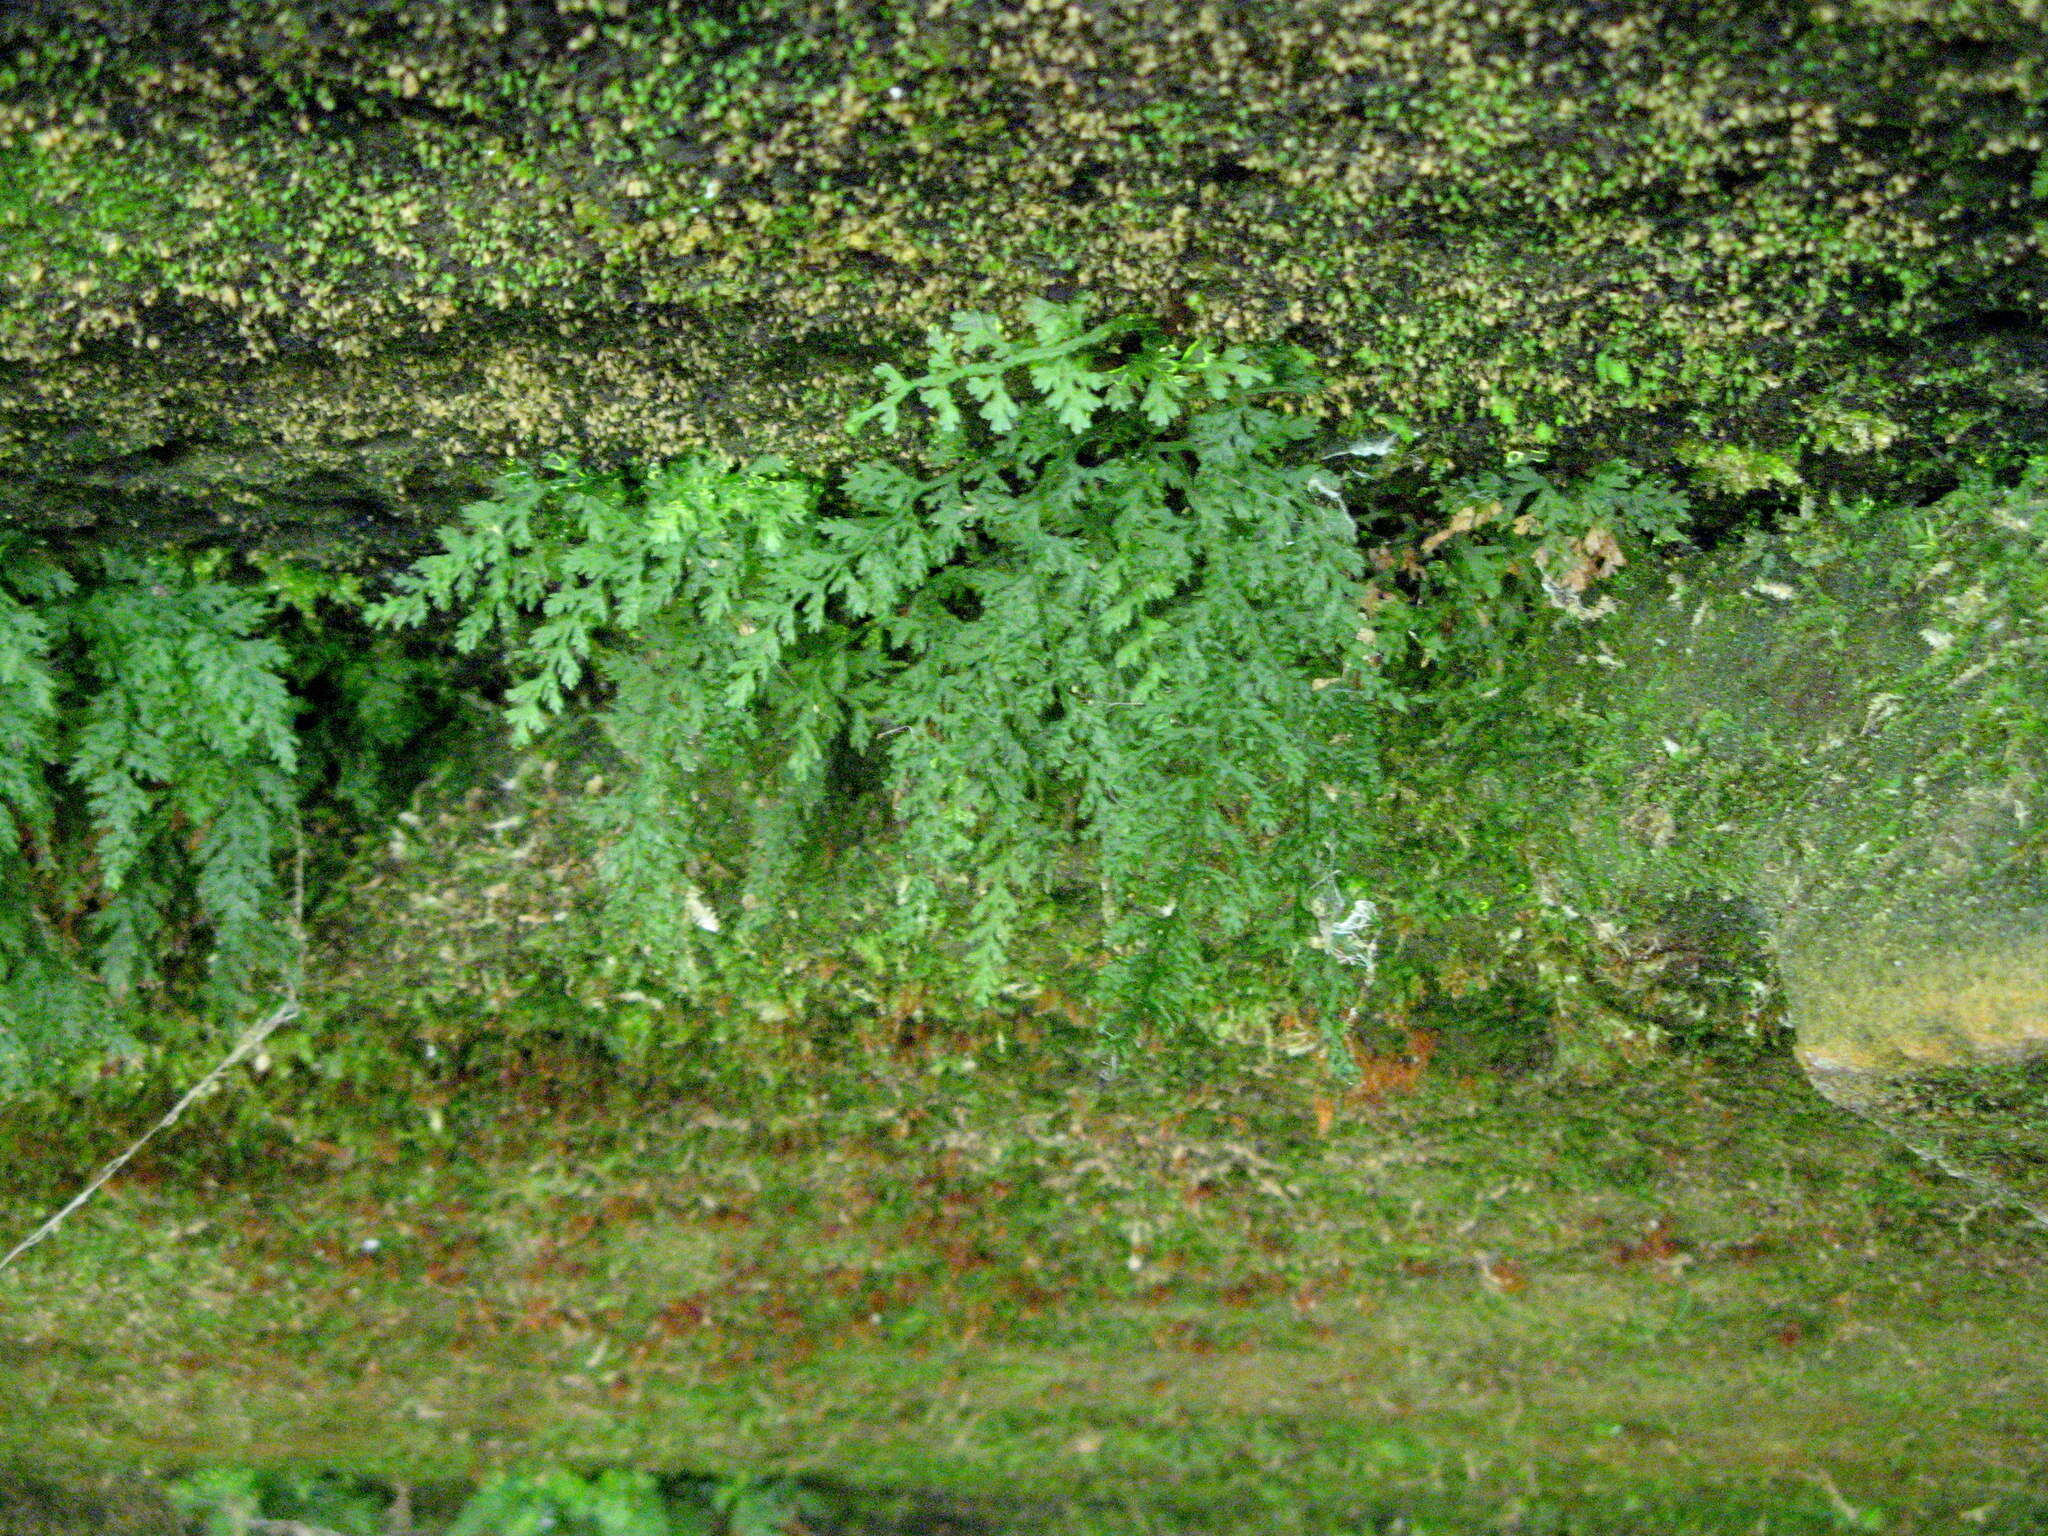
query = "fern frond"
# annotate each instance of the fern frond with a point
(1115, 607)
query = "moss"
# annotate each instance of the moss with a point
(1518, 226)
(1182, 1303)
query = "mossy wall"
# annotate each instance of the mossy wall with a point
(314, 271)
(1844, 729)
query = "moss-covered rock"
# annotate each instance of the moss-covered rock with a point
(315, 273)
(1849, 742)
(1851, 747)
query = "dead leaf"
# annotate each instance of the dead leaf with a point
(1600, 549)
(1503, 1277)
(1655, 1246)
(1381, 1073)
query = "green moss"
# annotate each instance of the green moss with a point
(60, 219)
(1518, 228)
(1169, 1304)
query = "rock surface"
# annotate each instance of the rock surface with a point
(1853, 745)
(307, 274)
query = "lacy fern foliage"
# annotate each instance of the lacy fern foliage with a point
(1102, 617)
(147, 757)
(1089, 615)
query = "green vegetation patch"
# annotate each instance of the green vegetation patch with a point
(1161, 1301)
(633, 232)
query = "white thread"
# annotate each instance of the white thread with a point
(252, 1037)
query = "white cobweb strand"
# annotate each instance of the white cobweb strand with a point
(251, 1039)
(254, 1036)
(1345, 926)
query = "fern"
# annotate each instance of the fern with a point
(45, 1007)
(1105, 621)
(1101, 620)
(1105, 605)
(184, 746)
(28, 706)
(147, 754)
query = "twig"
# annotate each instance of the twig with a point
(1846, 1512)
(1839, 1088)
(1995, 1190)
